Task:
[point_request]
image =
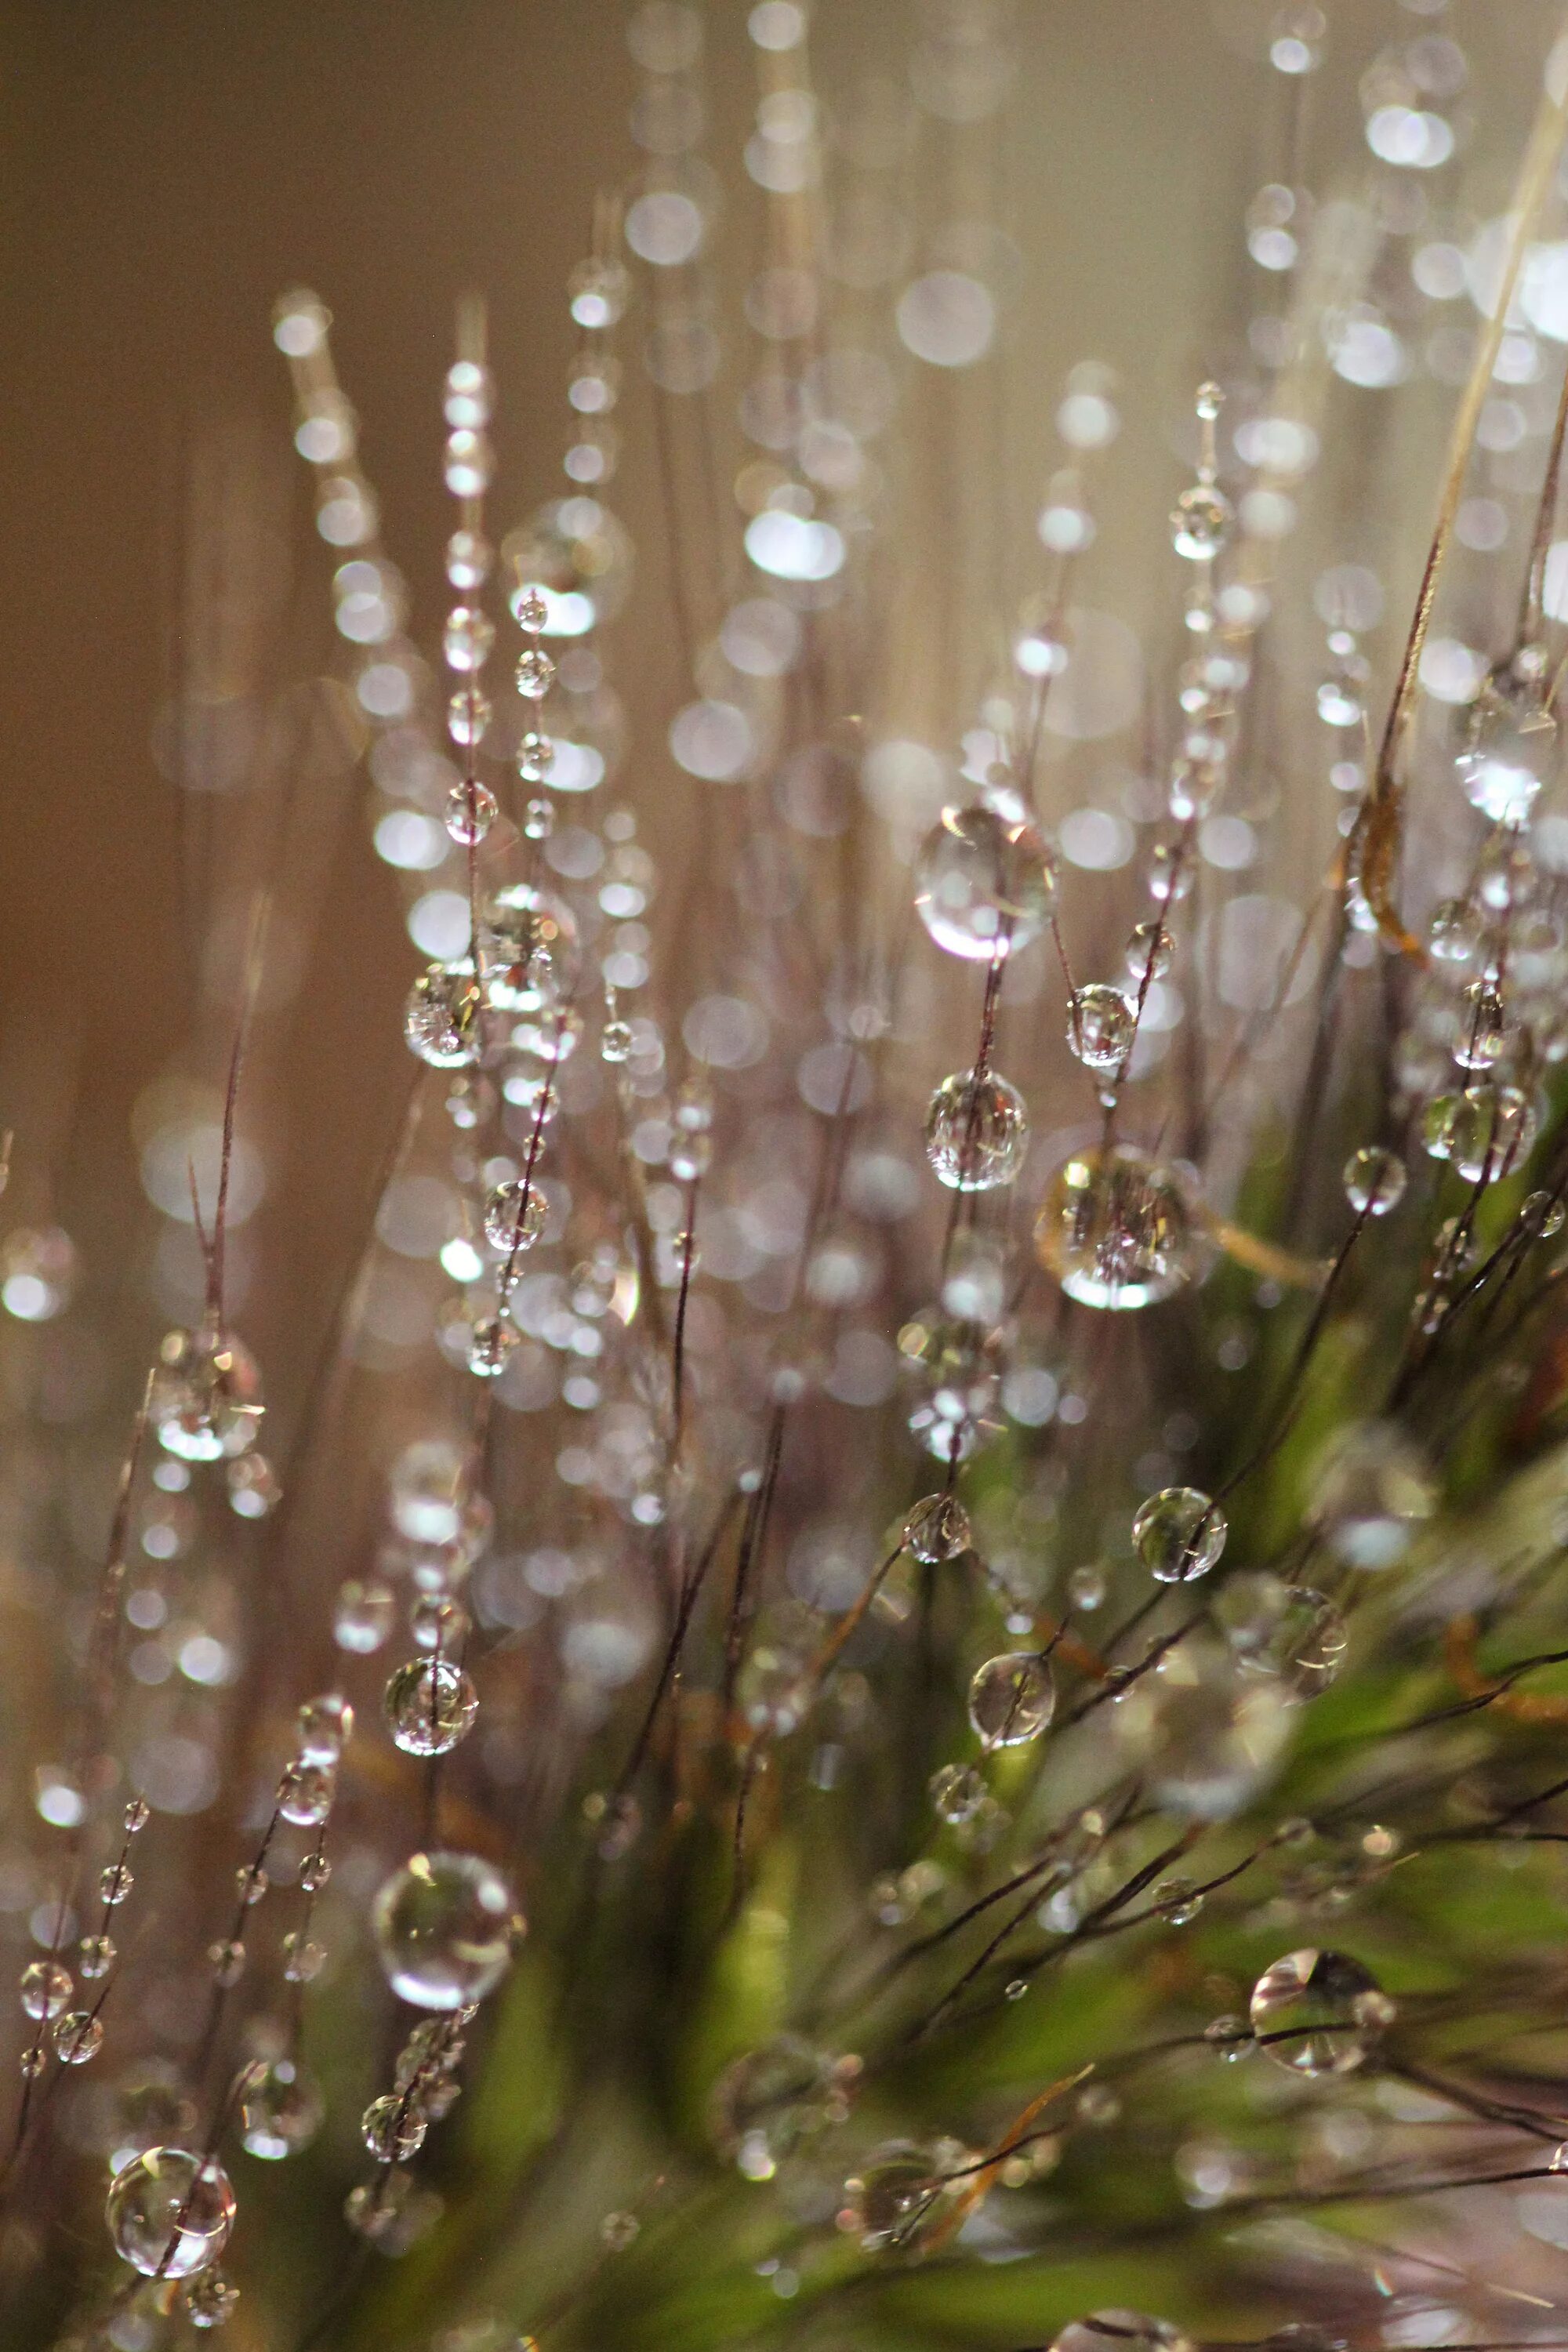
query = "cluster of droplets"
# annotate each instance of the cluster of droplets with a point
(1484, 1025)
(75, 2033)
(468, 635)
(305, 1793)
(1115, 1227)
(204, 1402)
(445, 1925)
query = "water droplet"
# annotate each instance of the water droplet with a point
(430, 1705)
(441, 1016)
(305, 1794)
(1114, 1230)
(1510, 748)
(1318, 2012)
(77, 2037)
(898, 2199)
(937, 1529)
(1374, 1182)
(1012, 1699)
(983, 884)
(976, 1131)
(282, 2110)
(1200, 523)
(207, 1395)
(472, 809)
(445, 1925)
(1101, 1026)
(170, 2213)
(957, 1793)
(392, 2129)
(211, 2300)
(326, 1725)
(1179, 1533)
(45, 1987)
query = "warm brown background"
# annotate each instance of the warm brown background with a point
(167, 166)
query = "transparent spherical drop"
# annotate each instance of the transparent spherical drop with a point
(957, 1793)
(1510, 748)
(441, 1016)
(493, 1343)
(392, 2129)
(1121, 2331)
(77, 2037)
(1542, 1214)
(1179, 1533)
(429, 1705)
(1170, 876)
(983, 884)
(515, 1215)
(532, 951)
(1316, 2012)
(362, 1616)
(445, 1927)
(326, 1725)
(1012, 1699)
(539, 819)
(937, 1529)
(535, 757)
(46, 1989)
(1100, 1025)
(1455, 930)
(1482, 1026)
(282, 2110)
(1286, 1631)
(438, 1622)
(1371, 1495)
(1200, 523)
(1374, 1182)
(1207, 1736)
(535, 674)
(305, 1794)
(766, 2103)
(1114, 1230)
(472, 809)
(977, 1131)
(468, 716)
(1149, 950)
(211, 2300)
(466, 640)
(170, 2213)
(616, 1042)
(1486, 1132)
(898, 2201)
(96, 1955)
(955, 1368)
(206, 1396)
